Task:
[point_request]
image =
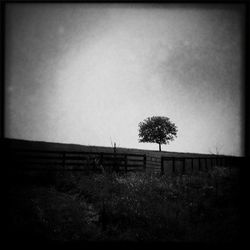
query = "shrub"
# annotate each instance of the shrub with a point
(136, 206)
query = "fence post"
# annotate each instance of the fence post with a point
(101, 159)
(199, 164)
(206, 163)
(115, 165)
(184, 166)
(144, 162)
(173, 164)
(63, 160)
(192, 165)
(126, 164)
(230, 168)
(162, 167)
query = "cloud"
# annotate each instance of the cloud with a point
(82, 73)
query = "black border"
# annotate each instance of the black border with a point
(246, 109)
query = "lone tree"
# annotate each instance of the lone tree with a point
(157, 129)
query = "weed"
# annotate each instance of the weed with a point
(131, 207)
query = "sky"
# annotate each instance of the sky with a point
(89, 73)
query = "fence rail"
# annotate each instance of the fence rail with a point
(23, 159)
(31, 159)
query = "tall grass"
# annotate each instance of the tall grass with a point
(136, 207)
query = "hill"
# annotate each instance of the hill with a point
(41, 145)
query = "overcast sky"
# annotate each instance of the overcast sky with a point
(83, 73)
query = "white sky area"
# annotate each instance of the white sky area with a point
(85, 73)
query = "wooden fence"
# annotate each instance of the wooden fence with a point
(75, 161)
(28, 159)
(187, 165)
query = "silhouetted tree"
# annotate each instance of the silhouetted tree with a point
(157, 129)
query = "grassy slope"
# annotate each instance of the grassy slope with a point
(136, 207)
(14, 143)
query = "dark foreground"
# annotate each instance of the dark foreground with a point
(70, 207)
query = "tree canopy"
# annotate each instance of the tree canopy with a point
(157, 129)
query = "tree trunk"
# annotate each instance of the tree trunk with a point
(159, 147)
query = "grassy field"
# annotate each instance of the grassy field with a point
(137, 207)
